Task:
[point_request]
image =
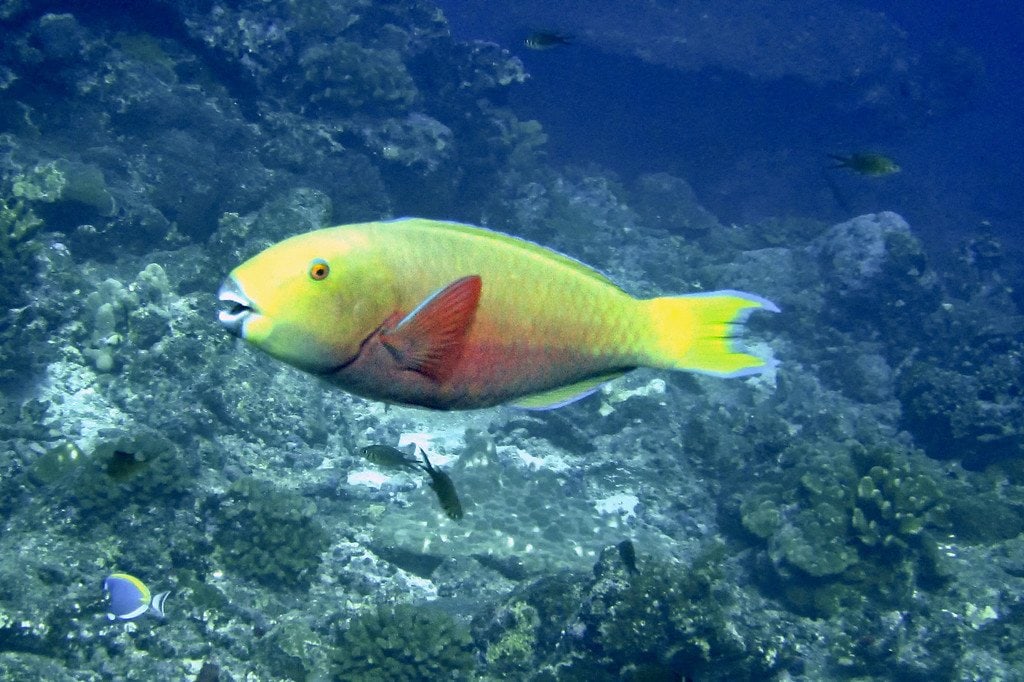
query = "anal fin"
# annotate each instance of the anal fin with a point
(563, 395)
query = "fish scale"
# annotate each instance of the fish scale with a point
(562, 297)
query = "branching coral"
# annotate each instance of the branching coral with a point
(403, 643)
(892, 506)
(18, 224)
(854, 514)
(270, 536)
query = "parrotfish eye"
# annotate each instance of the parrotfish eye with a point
(319, 269)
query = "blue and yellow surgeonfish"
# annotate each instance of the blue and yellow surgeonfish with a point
(130, 598)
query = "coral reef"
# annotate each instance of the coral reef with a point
(671, 616)
(270, 536)
(967, 403)
(122, 471)
(107, 307)
(848, 515)
(404, 643)
(345, 74)
(667, 617)
(65, 181)
(514, 650)
(784, 526)
(17, 225)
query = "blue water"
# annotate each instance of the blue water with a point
(754, 147)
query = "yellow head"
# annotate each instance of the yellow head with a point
(310, 300)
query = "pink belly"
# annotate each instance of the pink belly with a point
(487, 374)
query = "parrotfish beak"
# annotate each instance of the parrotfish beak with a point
(238, 307)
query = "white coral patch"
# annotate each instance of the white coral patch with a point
(368, 478)
(624, 504)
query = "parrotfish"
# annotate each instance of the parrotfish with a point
(130, 598)
(450, 316)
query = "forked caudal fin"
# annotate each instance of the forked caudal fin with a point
(696, 332)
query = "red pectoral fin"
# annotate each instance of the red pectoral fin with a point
(430, 339)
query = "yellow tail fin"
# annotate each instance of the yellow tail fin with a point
(696, 332)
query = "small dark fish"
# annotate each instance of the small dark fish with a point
(509, 567)
(417, 563)
(867, 164)
(444, 488)
(628, 555)
(210, 672)
(123, 464)
(545, 40)
(388, 457)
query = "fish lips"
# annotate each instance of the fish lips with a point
(239, 308)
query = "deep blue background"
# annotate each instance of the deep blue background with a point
(754, 149)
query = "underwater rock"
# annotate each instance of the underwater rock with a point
(669, 203)
(418, 563)
(866, 376)
(417, 140)
(344, 76)
(12, 8)
(876, 271)
(124, 467)
(294, 651)
(857, 253)
(59, 38)
(509, 567)
(300, 210)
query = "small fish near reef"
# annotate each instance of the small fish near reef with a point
(123, 465)
(866, 164)
(444, 488)
(389, 457)
(546, 40)
(450, 317)
(627, 554)
(130, 598)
